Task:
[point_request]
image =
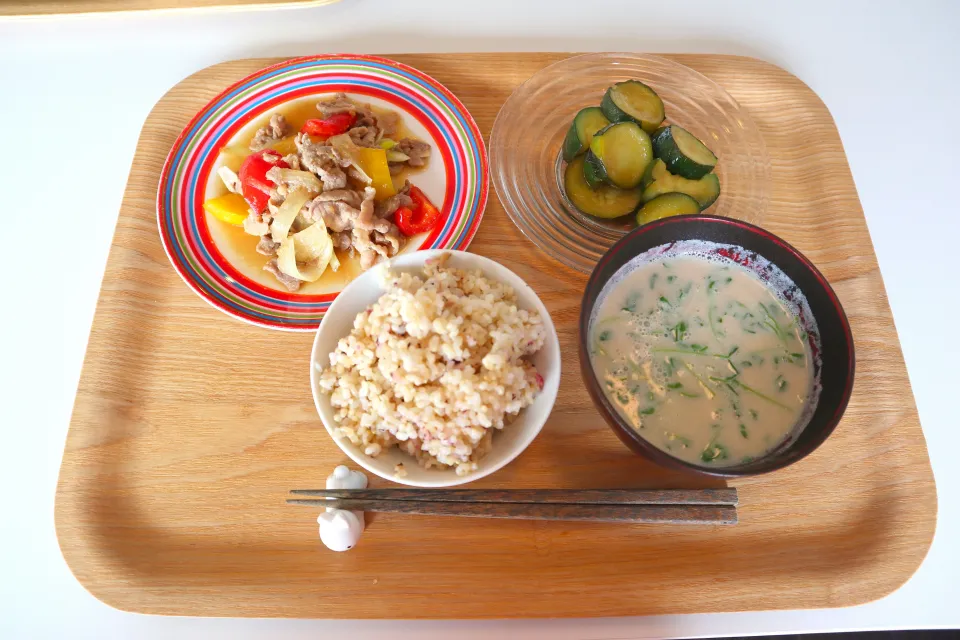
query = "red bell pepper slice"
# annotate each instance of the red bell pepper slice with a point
(421, 217)
(334, 125)
(254, 185)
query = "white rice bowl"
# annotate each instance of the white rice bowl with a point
(462, 411)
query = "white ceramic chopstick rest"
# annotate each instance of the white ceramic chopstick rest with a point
(340, 530)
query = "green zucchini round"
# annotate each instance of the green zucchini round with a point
(585, 124)
(633, 101)
(593, 171)
(623, 151)
(705, 191)
(684, 154)
(666, 205)
(603, 202)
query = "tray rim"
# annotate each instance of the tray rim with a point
(106, 596)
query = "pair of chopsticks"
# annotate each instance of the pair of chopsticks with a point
(649, 506)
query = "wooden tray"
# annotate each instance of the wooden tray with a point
(62, 7)
(189, 428)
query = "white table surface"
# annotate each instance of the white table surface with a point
(75, 91)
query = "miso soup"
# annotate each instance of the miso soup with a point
(702, 358)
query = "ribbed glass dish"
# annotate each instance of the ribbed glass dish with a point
(527, 169)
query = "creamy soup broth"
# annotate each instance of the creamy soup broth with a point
(702, 359)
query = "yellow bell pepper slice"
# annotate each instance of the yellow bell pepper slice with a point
(373, 162)
(285, 146)
(230, 208)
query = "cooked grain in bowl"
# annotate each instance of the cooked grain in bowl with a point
(435, 366)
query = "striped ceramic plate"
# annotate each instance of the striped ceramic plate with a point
(218, 261)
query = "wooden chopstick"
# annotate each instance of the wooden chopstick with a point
(537, 496)
(694, 514)
(660, 506)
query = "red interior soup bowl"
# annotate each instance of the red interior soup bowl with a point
(817, 326)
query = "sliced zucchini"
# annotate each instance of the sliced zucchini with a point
(623, 151)
(659, 170)
(603, 202)
(586, 123)
(706, 190)
(593, 171)
(648, 175)
(666, 205)
(683, 152)
(633, 100)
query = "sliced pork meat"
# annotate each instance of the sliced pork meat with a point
(363, 243)
(391, 239)
(336, 215)
(343, 241)
(276, 130)
(339, 103)
(417, 153)
(323, 161)
(365, 117)
(367, 220)
(267, 246)
(364, 136)
(351, 197)
(291, 283)
(417, 150)
(388, 206)
(288, 180)
(389, 123)
(373, 245)
(293, 160)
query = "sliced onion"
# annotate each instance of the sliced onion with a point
(287, 213)
(347, 149)
(295, 179)
(230, 179)
(305, 255)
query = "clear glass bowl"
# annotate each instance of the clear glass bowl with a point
(527, 168)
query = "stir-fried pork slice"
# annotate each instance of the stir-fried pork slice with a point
(267, 246)
(367, 220)
(351, 197)
(293, 160)
(417, 150)
(392, 240)
(388, 206)
(364, 136)
(373, 245)
(339, 103)
(336, 215)
(293, 179)
(389, 123)
(276, 130)
(365, 117)
(343, 240)
(291, 283)
(323, 161)
(363, 243)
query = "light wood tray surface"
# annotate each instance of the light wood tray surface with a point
(189, 428)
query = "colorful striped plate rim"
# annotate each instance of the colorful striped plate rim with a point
(188, 168)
